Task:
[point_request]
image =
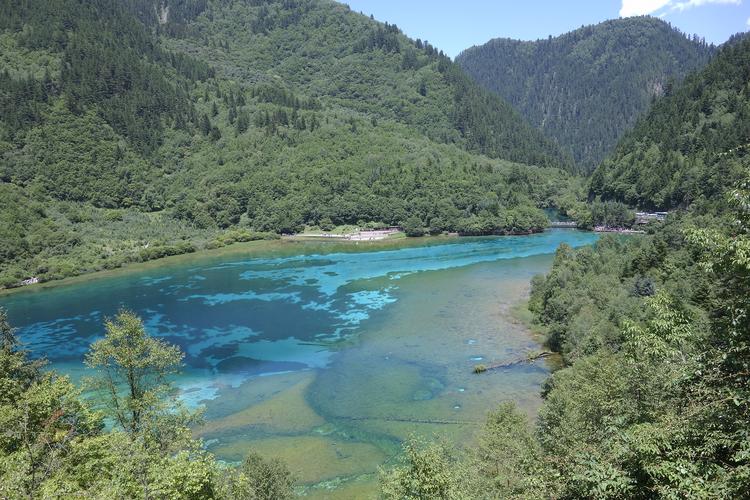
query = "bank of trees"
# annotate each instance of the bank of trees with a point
(652, 400)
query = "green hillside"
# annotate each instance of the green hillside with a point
(693, 143)
(141, 129)
(585, 88)
(325, 50)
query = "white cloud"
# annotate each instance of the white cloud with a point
(748, 21)
(689, 4)
(643, 7)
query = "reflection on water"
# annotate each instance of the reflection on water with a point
(336, 356)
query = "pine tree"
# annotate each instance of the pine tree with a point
(205, 124)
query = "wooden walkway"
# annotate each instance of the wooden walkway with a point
(560, 223)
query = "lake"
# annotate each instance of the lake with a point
(326, 355)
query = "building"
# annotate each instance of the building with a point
(646, 217)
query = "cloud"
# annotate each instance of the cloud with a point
(689, 4)
(641, 7)
(748, 21)
(644, 7)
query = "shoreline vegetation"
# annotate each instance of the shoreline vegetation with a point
(111, 239)
(238, 242)
(258, 246)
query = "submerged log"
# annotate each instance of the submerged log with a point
(528, 359)
(409, 420)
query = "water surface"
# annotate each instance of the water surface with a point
(326, 356)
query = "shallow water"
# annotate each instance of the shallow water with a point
(325, 357)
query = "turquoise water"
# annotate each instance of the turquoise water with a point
(322, 349)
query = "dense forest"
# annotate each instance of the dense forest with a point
(586, 88)
(692, 144)
(652, 399)
(135, 130)
(378, 71)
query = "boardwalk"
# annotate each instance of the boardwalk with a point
(561, 223)
(620, 230)
(362, 235)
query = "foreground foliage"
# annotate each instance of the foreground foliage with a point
(54, 442)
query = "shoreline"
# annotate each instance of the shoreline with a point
(258, 248)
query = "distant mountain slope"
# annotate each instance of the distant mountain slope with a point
(587, 87)
(135, 129)
(692, 145)
(330, 52)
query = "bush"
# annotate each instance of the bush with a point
(113, 216)
(260, 479)
(326, 224)
(427, 471)
(413, 226)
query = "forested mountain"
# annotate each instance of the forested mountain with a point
(693, 143)
(139, 129)
(325, 50)
(585, 88)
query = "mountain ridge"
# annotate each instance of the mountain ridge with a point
(585, 88)
(693, 143)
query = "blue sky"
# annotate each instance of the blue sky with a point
(453, 25)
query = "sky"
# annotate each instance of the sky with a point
(454, 25)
